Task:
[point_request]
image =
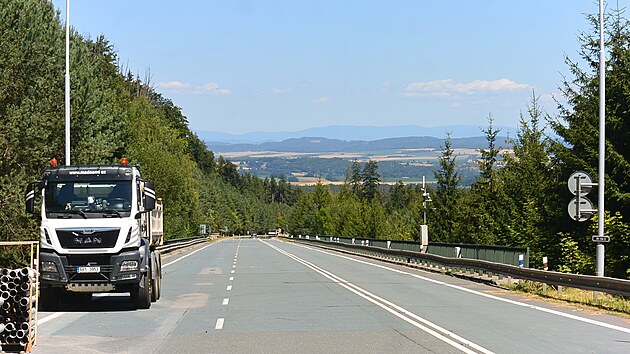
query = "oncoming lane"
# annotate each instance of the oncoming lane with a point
(496, 323)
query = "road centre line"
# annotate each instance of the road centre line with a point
(229, 288)
(438, 332)
(225, 301)
(220, 322)
(513, 302)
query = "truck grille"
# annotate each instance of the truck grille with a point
(88, 237)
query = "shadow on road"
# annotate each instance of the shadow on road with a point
(98, 303)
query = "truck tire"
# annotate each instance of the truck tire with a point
(141, 292)
(156, 282)
(155, 287)
(49, 299)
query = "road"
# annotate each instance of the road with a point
(269, 296)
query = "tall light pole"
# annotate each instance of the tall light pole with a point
(67, 102)
(602, 142)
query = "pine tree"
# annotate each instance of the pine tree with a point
(445, 200)
(371, 179)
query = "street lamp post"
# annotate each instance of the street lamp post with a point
(67, 98)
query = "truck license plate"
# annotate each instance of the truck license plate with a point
(88, 269)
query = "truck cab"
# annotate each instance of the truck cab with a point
(99, 232)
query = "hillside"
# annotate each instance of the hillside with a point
(351, 132)
(321, 144)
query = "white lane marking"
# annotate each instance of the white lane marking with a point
(513, 302)
(445, 335)
(225, 301)
(231, 278)
(188, 255)
(229, 288)
(50, 317)
(232, 271)
(219, 324)
(234, 266)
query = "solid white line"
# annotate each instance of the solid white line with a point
(413, 319)
(229, 288)
(50, 317)
(219, 324)
(188, 255)
(225, 301)
(513, 302)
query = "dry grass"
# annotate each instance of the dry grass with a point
(615, 304)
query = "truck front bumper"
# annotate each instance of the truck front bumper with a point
(71, 270)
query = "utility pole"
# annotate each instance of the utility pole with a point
(602, 142)
(67, 101)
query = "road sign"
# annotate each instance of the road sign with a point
(585, 209)
(601, 238)
(580, 180)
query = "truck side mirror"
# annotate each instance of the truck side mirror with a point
(31, 188)
(149, 195)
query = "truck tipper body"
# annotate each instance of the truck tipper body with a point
(99, 232)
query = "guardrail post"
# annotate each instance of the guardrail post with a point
(520, 260)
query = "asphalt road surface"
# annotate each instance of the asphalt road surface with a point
(268, 296)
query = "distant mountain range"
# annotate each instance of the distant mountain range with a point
(320, 144)
(351, 133)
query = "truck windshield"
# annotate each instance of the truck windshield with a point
(93, 196)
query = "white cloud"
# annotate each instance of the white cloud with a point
(174, 85)
(447, 88)
(189, 89)
(213, 88)
(280, 91)
(322, 100)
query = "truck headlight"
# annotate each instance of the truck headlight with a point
(127, 266)
(49, 267)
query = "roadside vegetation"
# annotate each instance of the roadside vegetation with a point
(114, 114)
(518, 199)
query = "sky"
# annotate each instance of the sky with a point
(283, 65)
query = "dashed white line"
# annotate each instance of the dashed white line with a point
(219, 324)
(229, 288)
(231, 278)
(233, 271)
(225, 301)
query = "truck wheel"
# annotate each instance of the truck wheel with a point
(155, 287)
(141, 293)
(156, 283)
(48, 299)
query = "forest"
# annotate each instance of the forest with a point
(520, 202)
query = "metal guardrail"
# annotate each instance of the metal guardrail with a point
(463, 265)
(492, 253)
(175, 244)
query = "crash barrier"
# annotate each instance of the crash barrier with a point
(175, 244)
(18, 301)
(491, 270)
(495, 254)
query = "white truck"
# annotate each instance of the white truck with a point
(99, 232)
